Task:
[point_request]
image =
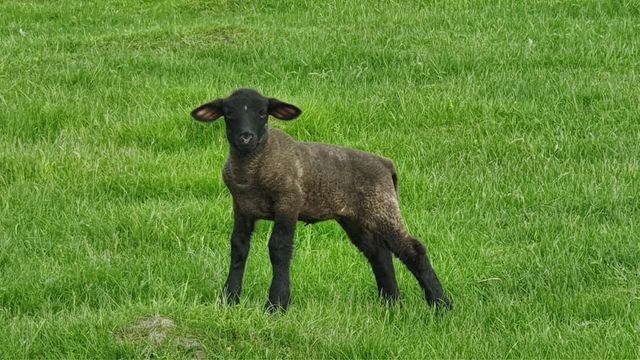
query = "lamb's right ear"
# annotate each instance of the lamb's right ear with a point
(209, 111)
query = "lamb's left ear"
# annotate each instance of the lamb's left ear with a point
(282, 110)
(209, 111)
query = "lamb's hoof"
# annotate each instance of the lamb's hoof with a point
(230, 297)
(275, 308)
(390, 298)
(441, 303)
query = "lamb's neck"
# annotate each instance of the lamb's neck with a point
(244, 166)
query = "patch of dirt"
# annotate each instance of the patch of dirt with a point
(155, 329)
(158, 332)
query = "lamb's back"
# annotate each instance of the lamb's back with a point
(336, 180)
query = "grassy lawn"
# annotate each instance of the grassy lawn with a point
(515, 129)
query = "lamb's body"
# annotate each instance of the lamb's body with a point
(273, 177)
(325, 182)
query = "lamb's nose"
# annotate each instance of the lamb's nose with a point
(245, 138)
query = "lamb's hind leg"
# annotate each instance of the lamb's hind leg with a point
(414, 255)
(379, 257)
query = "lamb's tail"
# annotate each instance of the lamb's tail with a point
(394, 175)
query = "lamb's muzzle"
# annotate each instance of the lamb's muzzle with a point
(273, 177)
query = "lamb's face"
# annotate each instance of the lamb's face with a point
(245, 114)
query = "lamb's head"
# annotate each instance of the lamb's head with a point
(246, 113)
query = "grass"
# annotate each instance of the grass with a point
(514, 126)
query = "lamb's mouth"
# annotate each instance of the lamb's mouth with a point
(245, 148)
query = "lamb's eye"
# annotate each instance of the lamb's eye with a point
(263, 114)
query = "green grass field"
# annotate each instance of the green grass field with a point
(515, 129)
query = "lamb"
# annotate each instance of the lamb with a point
(273, 177)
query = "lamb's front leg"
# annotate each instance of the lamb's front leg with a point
(280, 252)
(243, 227)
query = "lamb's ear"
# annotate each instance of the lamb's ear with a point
(209, 111)
(282, 110)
